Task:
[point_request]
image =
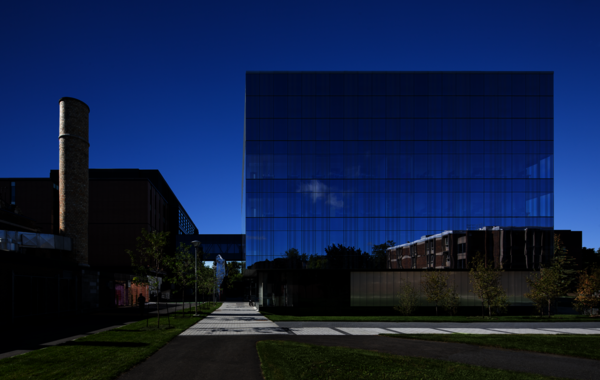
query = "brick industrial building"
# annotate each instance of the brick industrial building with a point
(122, 202)
(508, 248)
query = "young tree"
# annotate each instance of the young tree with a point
(548, 285)
(588, 290)
(206, 280)
(451, 302)
(408, 299)
(436, 287)
(486, 284)
(182, 268)
(149, 260)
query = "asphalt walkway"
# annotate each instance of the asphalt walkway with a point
(235, 357)
(223, 345)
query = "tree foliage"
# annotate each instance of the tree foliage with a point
(379, 254)
(545, 287)
(149, 260)
(439, 291)
(206, 279)
(181, 266)
(588, 290)
(486, 283)
(408, 299)
(343, 257)
(451, 302)
(590, 257)
(436, 287)
(553, 280)
(233, 282)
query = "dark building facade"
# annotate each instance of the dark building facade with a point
(360, 158)
(122, 203)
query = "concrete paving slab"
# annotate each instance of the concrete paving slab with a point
(410, 330)
(482, 325)
(235, 331)
(314, 331)
(576, 331)
(527, 331)
(235, 318)
(471, 331)
(364, 331)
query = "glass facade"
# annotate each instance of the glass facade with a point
(360, 158)
(186, 226)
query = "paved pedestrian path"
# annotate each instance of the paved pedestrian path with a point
(235, 357)
(237, 318)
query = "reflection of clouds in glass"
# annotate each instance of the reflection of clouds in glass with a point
(353, 172)
(335, 201)
(318, 190)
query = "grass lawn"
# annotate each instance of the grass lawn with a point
(398, 318)
(291, 360)
(583, 346)
(99, 356)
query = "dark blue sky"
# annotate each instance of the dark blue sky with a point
(165, 80)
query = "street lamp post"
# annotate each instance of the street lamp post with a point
(196, 244)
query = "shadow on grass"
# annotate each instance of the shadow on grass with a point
(105, 344)
(154, 328)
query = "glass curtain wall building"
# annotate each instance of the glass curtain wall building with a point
(360, 158)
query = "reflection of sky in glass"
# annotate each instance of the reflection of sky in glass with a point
(362, 158)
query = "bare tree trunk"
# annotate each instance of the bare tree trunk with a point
(549, 302)
(490, 310)
(168, 316)
(157, 305)
(183, 300)
(482, 310)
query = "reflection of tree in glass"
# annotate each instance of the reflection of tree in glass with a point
(379, 254)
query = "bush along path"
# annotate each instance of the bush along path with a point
(100, 356)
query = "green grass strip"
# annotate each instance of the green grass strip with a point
(291, 360)
(582, 346)
(459, 319)
(100, 356)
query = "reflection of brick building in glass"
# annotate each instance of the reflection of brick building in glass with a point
(510, 248)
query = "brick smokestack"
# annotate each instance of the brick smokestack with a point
(74, 174)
